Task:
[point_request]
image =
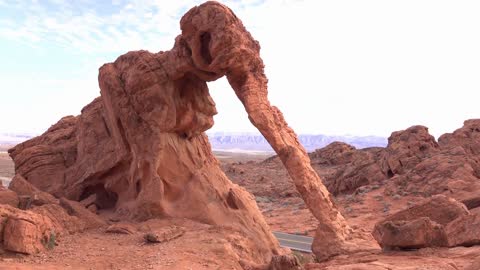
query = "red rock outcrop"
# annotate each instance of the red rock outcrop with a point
(8, 197)
(452, 168)
(438, 222)
(140, 147)
(464, 231)
(29, 194)
(407, 234)
(32, 231)
(345, 168)
(407, 148)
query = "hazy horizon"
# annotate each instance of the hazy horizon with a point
(334, 67)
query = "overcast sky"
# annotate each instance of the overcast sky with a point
(334, 67)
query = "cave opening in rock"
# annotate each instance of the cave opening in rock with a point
(104, 199)
(390, 173)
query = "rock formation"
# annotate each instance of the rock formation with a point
(345, 168)
(141, 150)
(407, 148)
(451, 167)
(421, 225)
(438, 222)
(412, 163)
(38, 229)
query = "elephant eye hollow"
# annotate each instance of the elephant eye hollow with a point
(205, 39)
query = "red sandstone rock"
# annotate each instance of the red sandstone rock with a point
(345, 168)
(141, 150)
(8, 197)
(90, 200)
(25, 231)
(62, 221)
(475, 265)
(467, 137)
(5, 211)
(76, 209)
(50, 155)
(406, 149)
(164, 235)
(121, 228)
(35, 230)
(421, 225)
(464, 231)
(439, 209)
(406, 234)
(33, 195)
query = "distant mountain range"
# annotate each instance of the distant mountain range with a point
(247, 141)
(14, 138)
(253, 141)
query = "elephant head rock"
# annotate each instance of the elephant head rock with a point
(141, 149)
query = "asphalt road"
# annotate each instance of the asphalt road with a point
(295, 242)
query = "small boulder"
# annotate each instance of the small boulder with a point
(93, 208)
(90, 200)
(121, 228)
(164, 234)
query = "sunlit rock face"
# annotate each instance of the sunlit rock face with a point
(141, 149)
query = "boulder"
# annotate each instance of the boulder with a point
(121, 228)
(27, 232)
(5, 212)
(439, 209)
(8, 197)
(451, 168)
(464, 231)
(90, 200)
(419, 226)
(35, 230)
(164, 234)
(409, 234)
(30, 195)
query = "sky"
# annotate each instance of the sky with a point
(334, 67)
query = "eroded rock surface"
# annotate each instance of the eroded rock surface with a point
(33, 231)
(140, 147)
(8, 197)
(438, 222)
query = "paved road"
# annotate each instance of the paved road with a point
(295, 242)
